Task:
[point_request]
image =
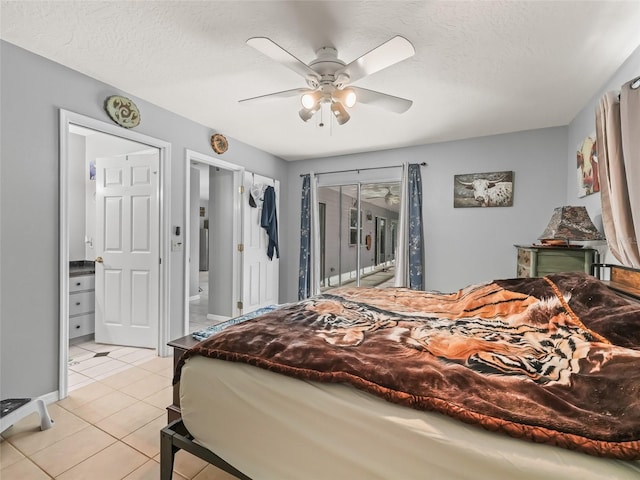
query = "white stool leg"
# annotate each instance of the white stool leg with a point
(45, 418)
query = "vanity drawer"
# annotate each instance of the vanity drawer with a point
(83, 282)
(81, 325)
(83, 302)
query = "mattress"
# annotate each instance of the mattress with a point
(274, 427)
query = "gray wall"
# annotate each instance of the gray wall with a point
(468, 245)
(463, 246)
(32, 91)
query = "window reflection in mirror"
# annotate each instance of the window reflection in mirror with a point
(358, 236)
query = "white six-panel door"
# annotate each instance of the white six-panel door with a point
(260, 275)
(127, 245)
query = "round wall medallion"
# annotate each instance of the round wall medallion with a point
(122, 111)
(219, 143)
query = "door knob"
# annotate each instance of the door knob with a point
(99, 260)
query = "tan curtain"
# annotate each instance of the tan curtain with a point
(617, 132)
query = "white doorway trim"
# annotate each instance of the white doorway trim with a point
(68, 118)
(238, 175)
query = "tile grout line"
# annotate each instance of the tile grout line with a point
(143, 440)
(89, 424)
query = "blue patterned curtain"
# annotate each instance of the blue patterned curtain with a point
(309, 273)
(304, 274)
(415, 236)
(410, 250)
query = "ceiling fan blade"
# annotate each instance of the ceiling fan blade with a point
(381, 57)
(274, 96)
(274, 51)
(374, 190)
(382, 100)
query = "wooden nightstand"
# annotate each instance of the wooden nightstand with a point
(537, 261)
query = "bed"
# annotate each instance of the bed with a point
(516, 378)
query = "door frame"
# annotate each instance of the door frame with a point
(380, 241)
(67, 118)
(237, 226)
(322, 217)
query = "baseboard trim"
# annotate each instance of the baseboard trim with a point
(51, 397)
(219, 318)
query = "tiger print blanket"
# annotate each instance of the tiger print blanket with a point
(554, 360)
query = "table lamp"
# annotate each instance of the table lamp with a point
(569, 224)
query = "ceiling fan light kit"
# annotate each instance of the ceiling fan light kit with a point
(307, 113)
(388, 198)
(329, 78)
(310, 99)
(346, 96)
(340, 113)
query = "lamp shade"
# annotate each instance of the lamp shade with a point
(570, 224)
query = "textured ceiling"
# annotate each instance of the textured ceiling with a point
(481, 67)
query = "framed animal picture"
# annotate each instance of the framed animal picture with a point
(587, 167)
(493, 189)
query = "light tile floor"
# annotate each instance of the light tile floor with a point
(91, 361)
(108, 427)
(199, 308)
(380, 278)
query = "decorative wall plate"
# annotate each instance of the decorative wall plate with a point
(123, 111)
(219, 143)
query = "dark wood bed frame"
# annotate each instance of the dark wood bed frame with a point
(175, 436)
(623, 280)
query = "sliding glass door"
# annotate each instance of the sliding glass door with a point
(358, 225)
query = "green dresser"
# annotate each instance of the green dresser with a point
(537, 261)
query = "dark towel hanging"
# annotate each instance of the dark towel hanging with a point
(269, 221)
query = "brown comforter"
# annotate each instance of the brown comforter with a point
(554, 360)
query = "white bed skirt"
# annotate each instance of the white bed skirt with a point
(274, 427)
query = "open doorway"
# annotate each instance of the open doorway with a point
(199, 258)
(79, 239)
(213, 231)
(240, 277)
(381, 241)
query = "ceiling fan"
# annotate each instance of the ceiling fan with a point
(389, 192)
(329, 79)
